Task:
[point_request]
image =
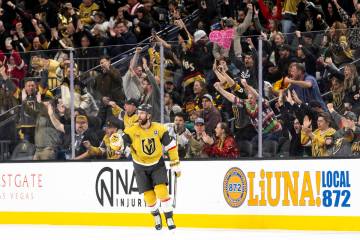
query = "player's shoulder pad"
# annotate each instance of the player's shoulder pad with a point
(132, 129)
(160, 127)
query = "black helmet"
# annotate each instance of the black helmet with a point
(145, 107)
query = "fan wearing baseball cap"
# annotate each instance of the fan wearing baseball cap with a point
(112, 143)
(128, 114)
(210, 114)
(196, 140)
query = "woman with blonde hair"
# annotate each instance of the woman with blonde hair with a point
(351, 79)
(193, 102)
(337, 43)
(352, 85)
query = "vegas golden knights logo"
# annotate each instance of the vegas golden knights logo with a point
(148, 145)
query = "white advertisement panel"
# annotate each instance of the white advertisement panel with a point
(306, 187)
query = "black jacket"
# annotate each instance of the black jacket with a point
(121, 44)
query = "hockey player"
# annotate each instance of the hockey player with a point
(146, 141)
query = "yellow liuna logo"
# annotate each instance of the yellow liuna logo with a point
(235, 187)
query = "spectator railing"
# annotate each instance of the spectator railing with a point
(167, 34)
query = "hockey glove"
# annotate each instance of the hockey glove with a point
(175, 167)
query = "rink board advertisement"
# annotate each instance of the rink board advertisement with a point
(306, 194)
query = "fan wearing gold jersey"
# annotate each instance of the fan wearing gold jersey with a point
(112, 143)
(146, 140)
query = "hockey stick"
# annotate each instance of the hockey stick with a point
(175, 188)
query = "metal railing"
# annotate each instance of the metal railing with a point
(168, 31)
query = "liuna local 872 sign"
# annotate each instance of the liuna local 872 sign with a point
(284, 188)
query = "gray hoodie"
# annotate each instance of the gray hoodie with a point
(131, 85)
(154, 97)
(45, 133)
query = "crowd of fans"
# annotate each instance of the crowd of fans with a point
(311, 88)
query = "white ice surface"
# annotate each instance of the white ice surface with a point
(47, 232)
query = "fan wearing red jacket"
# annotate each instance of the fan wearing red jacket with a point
(275, 14)
(15, 67)
(224, 146)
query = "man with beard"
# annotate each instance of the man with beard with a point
(304, 84)
(179, 132)
(29, 96)
(108, 86)
(146, 141)
(47, 137)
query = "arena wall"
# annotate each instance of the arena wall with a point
(269, 194)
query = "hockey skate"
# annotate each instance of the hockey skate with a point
(169, 220)
(157, 218)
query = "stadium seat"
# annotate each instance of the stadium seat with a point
(246, 149)
(270, 148)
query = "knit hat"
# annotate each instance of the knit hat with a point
(199, 34)
(351, 116)
(208, 96)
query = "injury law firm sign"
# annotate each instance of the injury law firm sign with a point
(89, 187)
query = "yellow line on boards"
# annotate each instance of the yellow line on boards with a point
(326, 223)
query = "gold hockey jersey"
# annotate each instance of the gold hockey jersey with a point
(147, 144)
(112, 146)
